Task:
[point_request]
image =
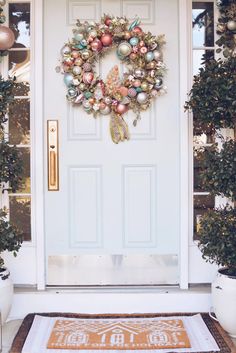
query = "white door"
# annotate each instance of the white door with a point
(115, 218)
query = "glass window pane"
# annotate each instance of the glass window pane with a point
(19, 67)
(198, 58)
(203, 24)
(19, 122)
(201, 204)
(25, 154)
(19, 22)
(20, 210)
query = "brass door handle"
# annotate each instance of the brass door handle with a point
(53, 157)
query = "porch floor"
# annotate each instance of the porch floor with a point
(10, 329)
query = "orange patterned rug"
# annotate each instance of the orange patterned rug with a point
(118, 334)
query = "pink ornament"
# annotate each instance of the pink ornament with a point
(96, 45)
(87, 67)
(121, 108)
(75, 54)
(102, 106)
(133, 56)
(137, 30)
(132, 92)
(137, 83)
(107, 21)
(79, 98)
(135, 49)
(124, 91)
(143, 50)
(141, 43)
(7, 38)
(90, 39)
(87, 77)
(106, 39)
(68, 62)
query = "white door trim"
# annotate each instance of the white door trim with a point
(38, 138)
(184, 22)
(38, 151)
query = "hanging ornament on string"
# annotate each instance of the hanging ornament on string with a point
(7, 37)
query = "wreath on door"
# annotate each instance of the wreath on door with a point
(142, 80)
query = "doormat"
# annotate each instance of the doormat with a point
(118, 334)
(205, 335)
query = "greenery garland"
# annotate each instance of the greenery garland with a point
(142, 81)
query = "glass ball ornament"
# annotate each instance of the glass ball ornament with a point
(84, 43)
(2, 2)
(78, 36)
(108, 100)
(106, 110)
(144, 86)
(158, 82)
(78, 62)
(66, 50)
(142, 97)
(85, 54)
(106, 39)
(231, 25)
(121, 108)
(87, 105)
(96, 45)
(157, 55)
(82, 86)
(139, 73)
(134, 41)
(124, 49)
(93, 33)
(88, 77)
(7, 38)
(132, 92)
(149, 56)
(77, 70)
(72, 92)
(68, 79)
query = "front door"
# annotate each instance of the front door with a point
(115, 218)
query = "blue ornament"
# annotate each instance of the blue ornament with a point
(134, 24)
(134, 41)
(78, 36)
(88, 94)
(83, 43)
(138, 89)
(149, 56)
(68, 79)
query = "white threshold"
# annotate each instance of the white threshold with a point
(110, 300)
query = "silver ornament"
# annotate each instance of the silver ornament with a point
(68, 79)
(87, 106)
(107, 100)
(231, 25)
(76, 82)
(66, 50)
(85, 54)
(72, 93)
(77, 70)
(139, 73)
(158, 82)
(157, 55)
(134, 41)
(105, 111)
(142, 98)
(2, 2)
(124, 49)
(93, 33)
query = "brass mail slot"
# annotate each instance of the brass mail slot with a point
(53, 157)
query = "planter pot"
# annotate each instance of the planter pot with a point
(6, 293)
(224, 300)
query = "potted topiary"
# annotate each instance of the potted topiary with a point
(11, 169)
(212, 101)
(10, 240)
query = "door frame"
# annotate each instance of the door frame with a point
(40, 130)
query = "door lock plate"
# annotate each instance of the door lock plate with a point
(53, 157)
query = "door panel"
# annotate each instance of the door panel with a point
(113, 200)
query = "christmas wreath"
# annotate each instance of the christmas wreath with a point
(143, 79)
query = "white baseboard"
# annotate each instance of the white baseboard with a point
(110, 301)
